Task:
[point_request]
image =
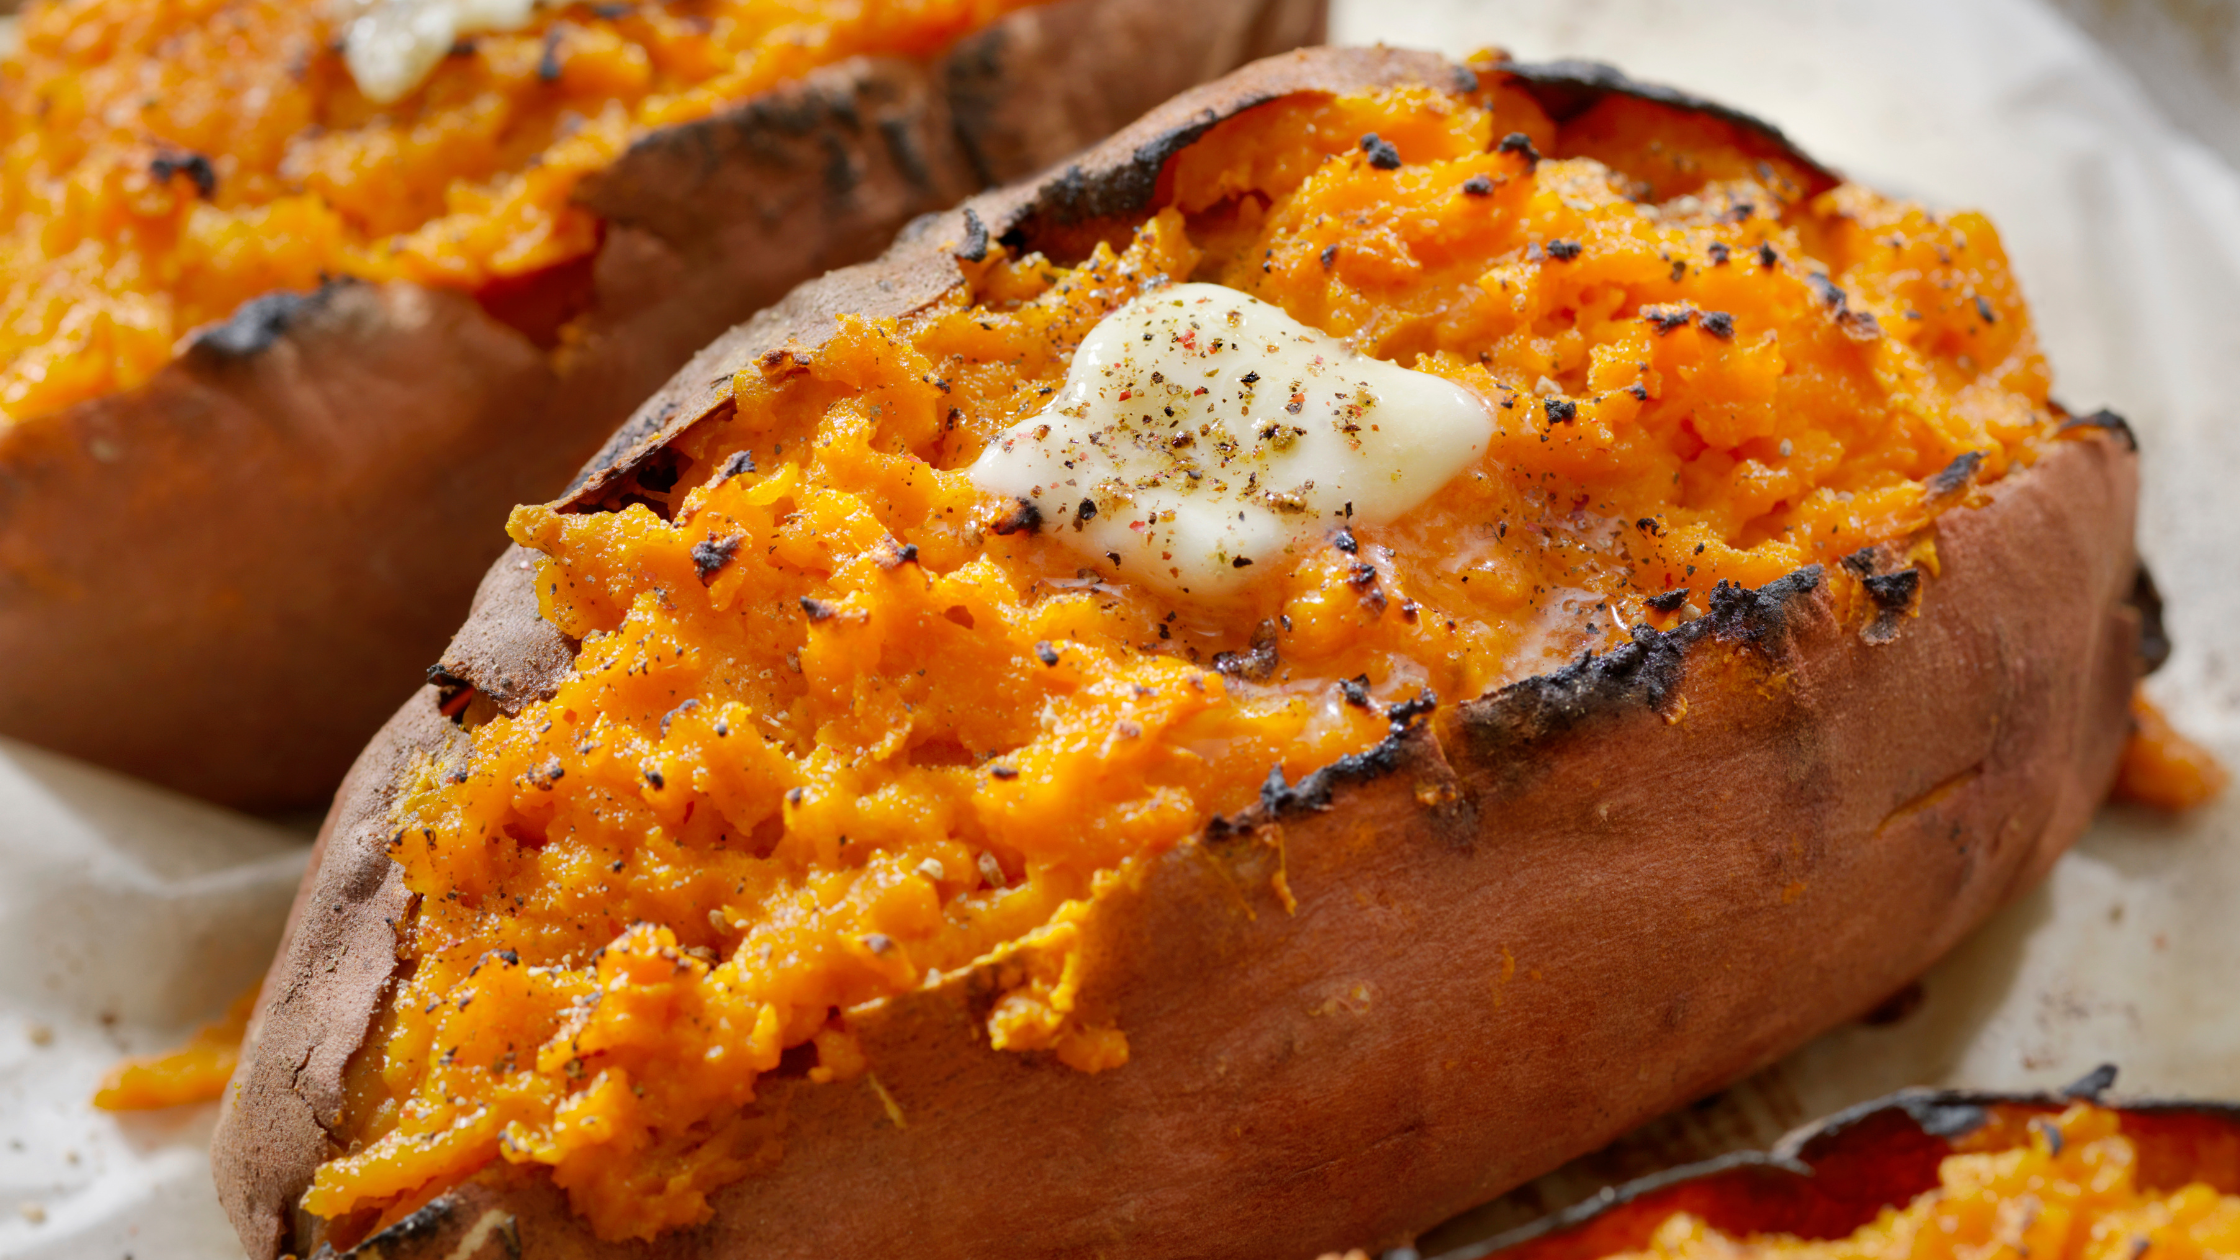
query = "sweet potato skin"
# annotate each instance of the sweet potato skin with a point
(222, 581)
(1523, 925)
(1832, 1176)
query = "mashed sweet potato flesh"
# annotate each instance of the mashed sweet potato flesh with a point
(830, 732)
(164, 161)
(2068, 1189)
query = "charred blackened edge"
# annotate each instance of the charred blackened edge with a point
(1407, 741)
(1505, 725)
(1894, 593)
(259, 323)
(1568, 88)
(2154, 639)
(1937, 1119)
(1953, 477)
(1500, 728)
(441, 1223)
(2106, 420)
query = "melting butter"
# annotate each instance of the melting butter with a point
(1205, 439)
(391, 46)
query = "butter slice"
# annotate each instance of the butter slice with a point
(391, 46)
(1205, 439)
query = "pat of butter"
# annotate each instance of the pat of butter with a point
(391, 46)
(1204, 439)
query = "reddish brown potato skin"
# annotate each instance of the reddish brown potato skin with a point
(1524, 925)
(223, 580)
(1832, 1177)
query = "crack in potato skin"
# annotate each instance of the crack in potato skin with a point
(832, 731)
(167, 162)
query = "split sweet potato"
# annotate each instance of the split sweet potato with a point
(1513, 929)
(221, 580)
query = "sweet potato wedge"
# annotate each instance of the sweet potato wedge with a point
(222, 580)
(1832, 1177)
(1390, 989)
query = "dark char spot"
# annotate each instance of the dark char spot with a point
(1956, 475)
(194, 166)
(975, 247)
(709, 555)
(1024, 518)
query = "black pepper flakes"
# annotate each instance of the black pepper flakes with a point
(1355, 690)
(1563, 251)
(1085, 513)
(818, 610)
(1718, 323)
(1561, 410)
(1003, 772)
(1045, 653)
(1344, 541)
(1329, 256)
(1983, 308)
(1519, 143)
(1381, 153)
(1477, 186)
(741, 461)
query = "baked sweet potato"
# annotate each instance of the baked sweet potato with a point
(808, 851)
(222, 577)
(2067, 1173)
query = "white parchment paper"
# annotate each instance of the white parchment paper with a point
(127, 916)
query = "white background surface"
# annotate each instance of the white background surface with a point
(126, 917)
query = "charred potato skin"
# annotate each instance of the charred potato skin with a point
(1769, 822)
(1831, 1177)
(223, 580)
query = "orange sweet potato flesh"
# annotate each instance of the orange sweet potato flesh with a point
(221, 580)
(1510, 936)
(1833, 1178)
